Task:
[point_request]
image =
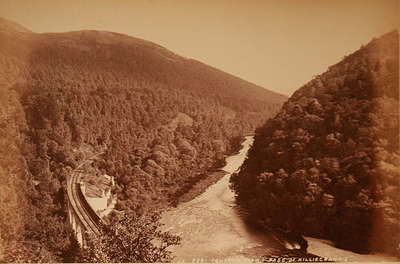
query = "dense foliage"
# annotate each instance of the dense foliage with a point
(131, 239)
(163, 120)
(328, 164)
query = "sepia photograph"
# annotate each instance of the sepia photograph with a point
(199, 131)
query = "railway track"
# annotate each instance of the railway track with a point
(88, 218)
(85, 213)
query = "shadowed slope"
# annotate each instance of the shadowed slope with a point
(60, 92)
(328, 164)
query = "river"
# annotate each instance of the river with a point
(213, 230)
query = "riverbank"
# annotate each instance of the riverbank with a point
(200, 183)
(213, 228)
(211, 225)
(326, 249)
(200, 187)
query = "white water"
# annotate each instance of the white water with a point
(213, 230)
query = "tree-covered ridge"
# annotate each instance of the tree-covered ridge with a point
(328, 164)
(163, 120)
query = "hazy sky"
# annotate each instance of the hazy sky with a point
(278, 44)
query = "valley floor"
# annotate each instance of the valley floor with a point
(213, 230)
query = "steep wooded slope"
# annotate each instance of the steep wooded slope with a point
(163, 119)
(328, 164)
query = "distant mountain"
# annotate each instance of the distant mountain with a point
(328, 164)
(164, 121)
(8, 25)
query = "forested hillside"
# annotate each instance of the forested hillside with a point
(328, 164)
(162, 119)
